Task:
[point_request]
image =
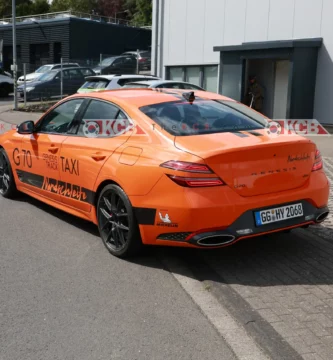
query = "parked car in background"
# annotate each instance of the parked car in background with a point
(144, 58)
(6, 84)
(6, 73)
(109, 82)
(117, 65)
(169, 84)
(42, 70)
(49, 84)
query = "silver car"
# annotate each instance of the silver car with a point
(109, 82)
(166, 84)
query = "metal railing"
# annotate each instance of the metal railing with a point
(55, 90)
(75, 14)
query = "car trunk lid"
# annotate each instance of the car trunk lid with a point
(254, 163)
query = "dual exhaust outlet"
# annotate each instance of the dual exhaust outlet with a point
(321, 217)
(223, 239)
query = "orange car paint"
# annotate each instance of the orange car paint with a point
(74, 169)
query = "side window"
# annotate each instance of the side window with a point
(75, 74)
(100, 120)
(191, 87)
(171, 86)
(129, 60)
(65, 74)
(118, 61)
(87, 72)
(58, 120)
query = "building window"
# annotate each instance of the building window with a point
(192, 75)
(210, 78)
(204, 76)
(176, 74)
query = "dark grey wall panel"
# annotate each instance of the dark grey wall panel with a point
(231, 76)
(89, 39)
(303, 83)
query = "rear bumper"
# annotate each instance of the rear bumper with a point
(195, 214)
(245, 227)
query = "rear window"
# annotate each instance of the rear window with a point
(180, 118)
(95, 84)
(123, 82)
(136, 86)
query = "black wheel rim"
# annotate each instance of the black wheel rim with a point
(113, 221)
(4, 174)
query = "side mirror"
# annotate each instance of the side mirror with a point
(27, 127)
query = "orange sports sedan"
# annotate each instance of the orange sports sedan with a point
(166, 167)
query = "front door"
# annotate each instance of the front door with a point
(39, 153)
(82, 156)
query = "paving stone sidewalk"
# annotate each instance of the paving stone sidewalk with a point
(288, 280)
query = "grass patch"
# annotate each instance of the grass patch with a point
(38, 107)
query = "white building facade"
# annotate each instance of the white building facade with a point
(216, 44)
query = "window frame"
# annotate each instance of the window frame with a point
(38, 125)
(78, 121)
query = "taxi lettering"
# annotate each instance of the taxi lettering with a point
(70, 165)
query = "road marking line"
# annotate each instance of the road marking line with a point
(243, 346)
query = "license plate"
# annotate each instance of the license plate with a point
(278, 214)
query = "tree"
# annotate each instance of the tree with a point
(85, 6)
(140, 11)
(40, 7)
(109, 7)
(24, 7)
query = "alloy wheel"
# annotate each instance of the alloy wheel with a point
(4, 174)
(113, 221)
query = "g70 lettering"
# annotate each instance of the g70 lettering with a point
(25, 156)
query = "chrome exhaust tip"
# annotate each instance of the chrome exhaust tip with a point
(216, 240)
(321, 217)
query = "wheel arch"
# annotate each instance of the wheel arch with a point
(100, 188)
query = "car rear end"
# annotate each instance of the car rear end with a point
(228, 177)
(93, 84)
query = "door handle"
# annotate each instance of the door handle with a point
(98, 156)
(53, 149)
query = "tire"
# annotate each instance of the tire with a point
(7, 182)
(117, 224)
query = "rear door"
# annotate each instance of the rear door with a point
(129, 65)
(84, 153)
(76, 80)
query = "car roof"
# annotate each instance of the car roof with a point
(71, 68)
(159, 82)
(110, 77)
(143, 97)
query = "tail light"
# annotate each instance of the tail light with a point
(196, 182)
(318, 164)
(187, 166)
(192, 168)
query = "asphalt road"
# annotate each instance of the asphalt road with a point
(63, 296)
(6, 100)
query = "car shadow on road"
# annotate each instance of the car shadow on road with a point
(61, 215)
(297, 258)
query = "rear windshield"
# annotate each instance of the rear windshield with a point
(95, 84)
(134, 85)
(180, 118)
